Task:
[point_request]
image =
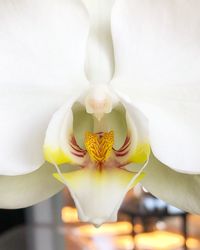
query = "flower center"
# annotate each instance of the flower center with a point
(99, 146)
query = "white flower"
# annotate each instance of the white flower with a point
(92, 104)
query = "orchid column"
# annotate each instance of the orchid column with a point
(100, 56)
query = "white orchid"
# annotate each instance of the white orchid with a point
(91, 87)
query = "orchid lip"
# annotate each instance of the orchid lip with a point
(99, 216)
(97, 222)
(102, 150)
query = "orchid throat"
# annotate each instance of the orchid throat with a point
(97, 134)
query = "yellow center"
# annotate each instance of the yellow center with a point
(99, 146)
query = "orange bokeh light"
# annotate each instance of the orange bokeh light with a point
(109, 229)
(193, 243)
(159, 240)
(125, 242)
(69, 215)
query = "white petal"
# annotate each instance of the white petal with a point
(174, 133)
(42, 47)
(173, 126)
(157, 47)
(98, 195)
(42, 43)
(157, 41)
(26, 190)
(177, 189)
(24, 118)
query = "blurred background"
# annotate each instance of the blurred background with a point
(144, 223)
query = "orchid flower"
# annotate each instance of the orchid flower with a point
(97, 96)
